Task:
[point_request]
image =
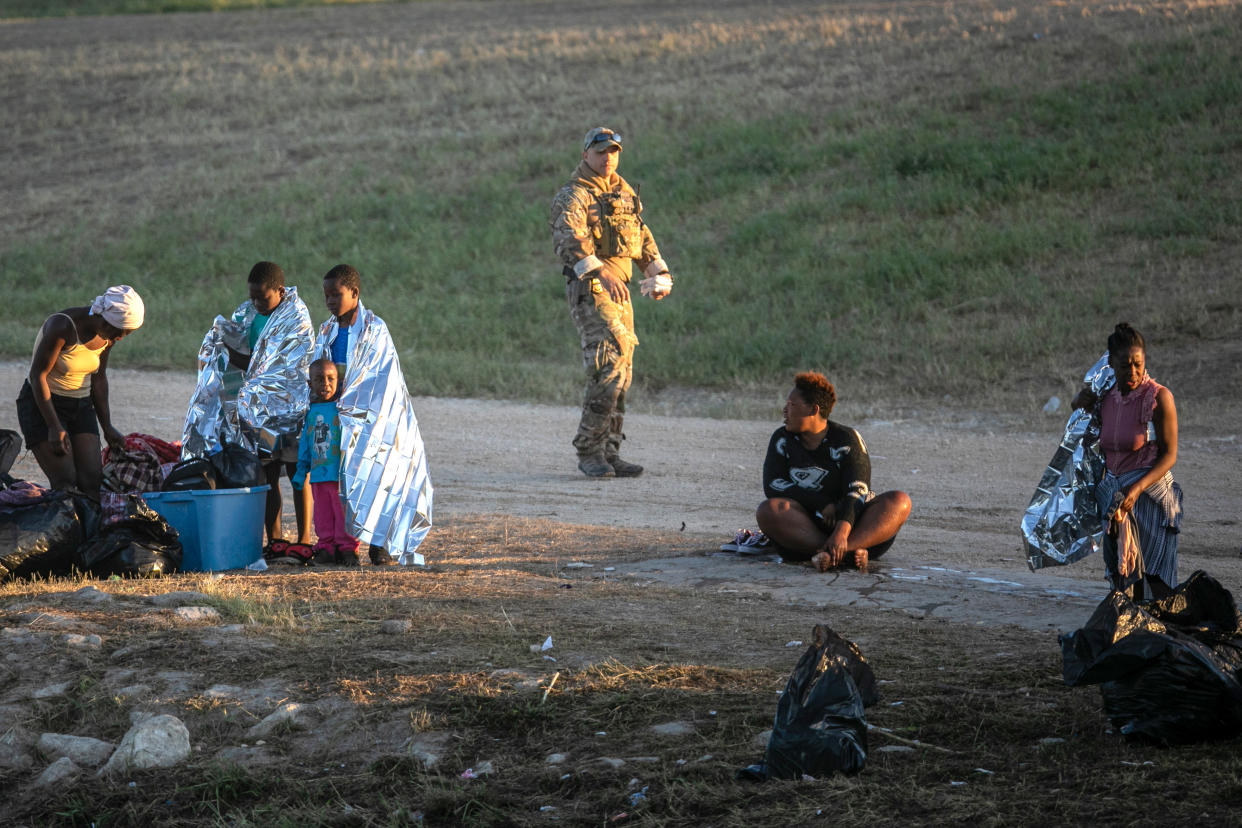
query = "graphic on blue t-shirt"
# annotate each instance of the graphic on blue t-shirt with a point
(321, 434)
(319, 450)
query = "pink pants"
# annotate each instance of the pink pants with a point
(330, 518)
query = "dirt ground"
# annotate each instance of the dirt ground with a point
(309, 691)
(970, 474)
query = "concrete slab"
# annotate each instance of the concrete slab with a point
(962, 595)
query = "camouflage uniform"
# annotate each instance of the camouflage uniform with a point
(597, 224)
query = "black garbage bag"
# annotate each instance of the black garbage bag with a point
(194, 474)
(140, 544)
(237, 468)
(10, 447)
(1168, 670)
(819, 728)
(40, 538)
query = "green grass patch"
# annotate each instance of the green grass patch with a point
(916, 246)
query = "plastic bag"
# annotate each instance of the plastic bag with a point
(141, 544)
(195, 474)
(1167, 669)
(10, 447)
(237, 468)
(41, 538)
(819, 728)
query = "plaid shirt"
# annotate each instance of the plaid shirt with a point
(141, 465)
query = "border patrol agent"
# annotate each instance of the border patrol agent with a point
(598, 231)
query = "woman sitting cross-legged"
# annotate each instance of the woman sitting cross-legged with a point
(817, 480)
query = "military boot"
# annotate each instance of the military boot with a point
(594, 465)
(624, 469)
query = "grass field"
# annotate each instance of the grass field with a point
(962, 199)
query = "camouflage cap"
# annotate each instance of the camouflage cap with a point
(601, 135)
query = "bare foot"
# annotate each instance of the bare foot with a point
(861, 559)
(822, 561)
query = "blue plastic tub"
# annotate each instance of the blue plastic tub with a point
(219, 528)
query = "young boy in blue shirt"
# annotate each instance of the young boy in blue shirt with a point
(319, 461)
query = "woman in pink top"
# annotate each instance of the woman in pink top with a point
(1138, 496)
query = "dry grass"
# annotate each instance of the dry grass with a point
(628, 657)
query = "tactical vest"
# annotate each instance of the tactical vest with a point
(619, 233)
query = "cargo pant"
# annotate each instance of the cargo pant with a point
(607, 333)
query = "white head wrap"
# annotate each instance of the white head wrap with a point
(120, 306)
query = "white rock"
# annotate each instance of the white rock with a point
(60, 772)
(673, 729)
(555, 759)
(197, 614)
(484, 768)
(92, 595)
(51, 691)
(159, 742)
(85, 641)
(133, 691)
(223, 691)
(178, 599)
(83, 750)
(396, 626)
(289, 714)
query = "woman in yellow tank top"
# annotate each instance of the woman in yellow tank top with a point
(67, 389)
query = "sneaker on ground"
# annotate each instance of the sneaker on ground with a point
(756, 544)
(735, 544)
(746, 542)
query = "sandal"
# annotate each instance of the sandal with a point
(275, 549)
(300, 552)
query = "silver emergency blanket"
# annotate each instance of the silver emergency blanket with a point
(1062, 524)
(265, 413)
(385, 486)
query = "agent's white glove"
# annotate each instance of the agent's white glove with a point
(658, 286)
